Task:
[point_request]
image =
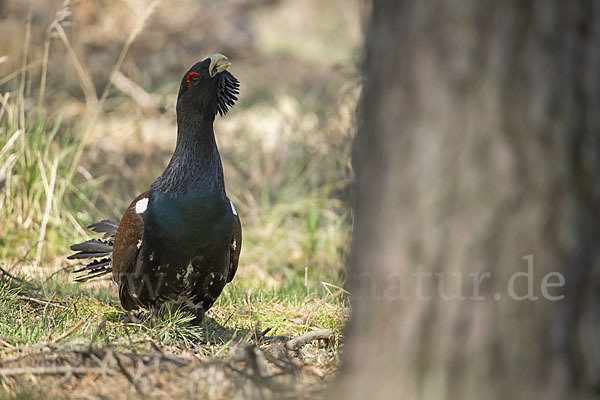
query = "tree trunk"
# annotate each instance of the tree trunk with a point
(476, 252)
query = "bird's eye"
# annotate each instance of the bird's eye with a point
(192, 79)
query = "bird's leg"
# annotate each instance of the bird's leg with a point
(199, 314)
(131, 317)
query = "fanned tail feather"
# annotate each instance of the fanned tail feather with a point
(98, 250)
(108, 227)
(91, 249)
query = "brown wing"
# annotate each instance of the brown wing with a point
(236, 245)
(127, 246)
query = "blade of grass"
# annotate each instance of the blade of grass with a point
(49, 188)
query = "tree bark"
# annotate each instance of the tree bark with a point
(478, 185)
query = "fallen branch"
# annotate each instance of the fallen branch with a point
(49, 336)
(11, 276)
(53, 371)
(129, 377)
(67, 333)
(309, 337)
(43, 302)
(99, 328)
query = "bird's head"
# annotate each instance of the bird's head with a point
(208, 88)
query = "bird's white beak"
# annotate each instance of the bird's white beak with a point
(218, 64)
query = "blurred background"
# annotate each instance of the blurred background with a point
(88, 122)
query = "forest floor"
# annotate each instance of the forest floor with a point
(61, 339)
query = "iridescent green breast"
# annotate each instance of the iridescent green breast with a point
(198, 218)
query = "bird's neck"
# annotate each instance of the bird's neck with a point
(195, 164)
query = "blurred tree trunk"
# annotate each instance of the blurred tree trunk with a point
(478, 162)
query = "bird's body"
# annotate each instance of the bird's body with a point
(180, 241)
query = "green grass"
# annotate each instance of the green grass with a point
(36, 311)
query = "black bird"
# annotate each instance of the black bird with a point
(180, 241)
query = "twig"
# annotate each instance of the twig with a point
(308, 337)
(59, 271)
(100, 327)
(24, 257)
(64, 379)
(51, 333)
(128, 375)
(156, 347)
(262, 334)
(326, 284)
(67, 333)
(37, 347)
(132, 325)
(52, 371)
(251, 353)
(129, 339)
(40, 301)
(16, 278)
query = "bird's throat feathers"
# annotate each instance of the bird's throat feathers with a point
(196, 163)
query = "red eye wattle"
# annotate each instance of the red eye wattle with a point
(190, 76)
